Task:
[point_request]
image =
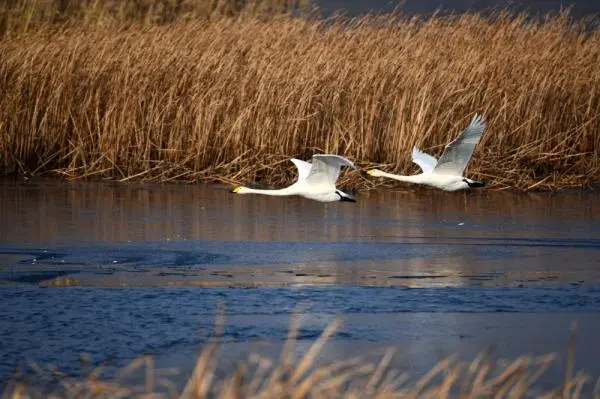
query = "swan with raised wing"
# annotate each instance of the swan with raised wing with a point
(316, 180)
(447, 172)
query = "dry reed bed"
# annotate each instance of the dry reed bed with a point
(303, 377)
(231, 99)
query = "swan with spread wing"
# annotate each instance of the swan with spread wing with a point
(447, 172)
(316, 180)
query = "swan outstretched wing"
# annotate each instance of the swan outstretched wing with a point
(425, 161)
(303, 168)
(325, 169)
(458, 152)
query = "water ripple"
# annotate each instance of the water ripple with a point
(54, 325)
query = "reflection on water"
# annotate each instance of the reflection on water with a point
(71, 212)
(491, 266)
(194, 234)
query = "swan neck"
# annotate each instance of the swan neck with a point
(281, 192)
(403, 178)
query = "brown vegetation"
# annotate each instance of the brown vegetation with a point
(290, 377)
(175, 91)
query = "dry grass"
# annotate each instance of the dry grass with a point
(231, 95)
(290, 377)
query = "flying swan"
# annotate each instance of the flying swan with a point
(447, 172)
(316, 181)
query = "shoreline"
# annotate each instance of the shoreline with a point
(218, 183)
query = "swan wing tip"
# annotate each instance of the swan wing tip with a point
(478, 119)
(343, 161)
(416, 152)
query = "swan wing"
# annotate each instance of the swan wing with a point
(303, 168)
(325, 169)
(458, 152)
(425, 161)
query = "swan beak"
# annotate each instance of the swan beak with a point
(476, 184)
(236, 190)
(370, 172)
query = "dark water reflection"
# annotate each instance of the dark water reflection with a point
(492, 268)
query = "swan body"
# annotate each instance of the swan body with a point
(447, 172)
(316, 180)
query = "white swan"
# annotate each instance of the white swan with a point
(447, 173)
(316, 181)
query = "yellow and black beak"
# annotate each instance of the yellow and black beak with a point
(345, 197)
(237, 189)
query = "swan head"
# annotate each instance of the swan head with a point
(345, 197)
(240, 190)
(375, 172)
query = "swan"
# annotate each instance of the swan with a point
(316, 181)
(447, 172)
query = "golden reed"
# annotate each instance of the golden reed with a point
(228, 91)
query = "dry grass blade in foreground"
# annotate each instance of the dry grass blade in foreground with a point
(231, 99)
(260, 377)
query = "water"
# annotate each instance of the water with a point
(430, 273)
(579, 8)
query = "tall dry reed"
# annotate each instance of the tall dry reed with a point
(231, 98)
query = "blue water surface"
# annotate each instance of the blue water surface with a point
(54, 325)
(507, 270)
